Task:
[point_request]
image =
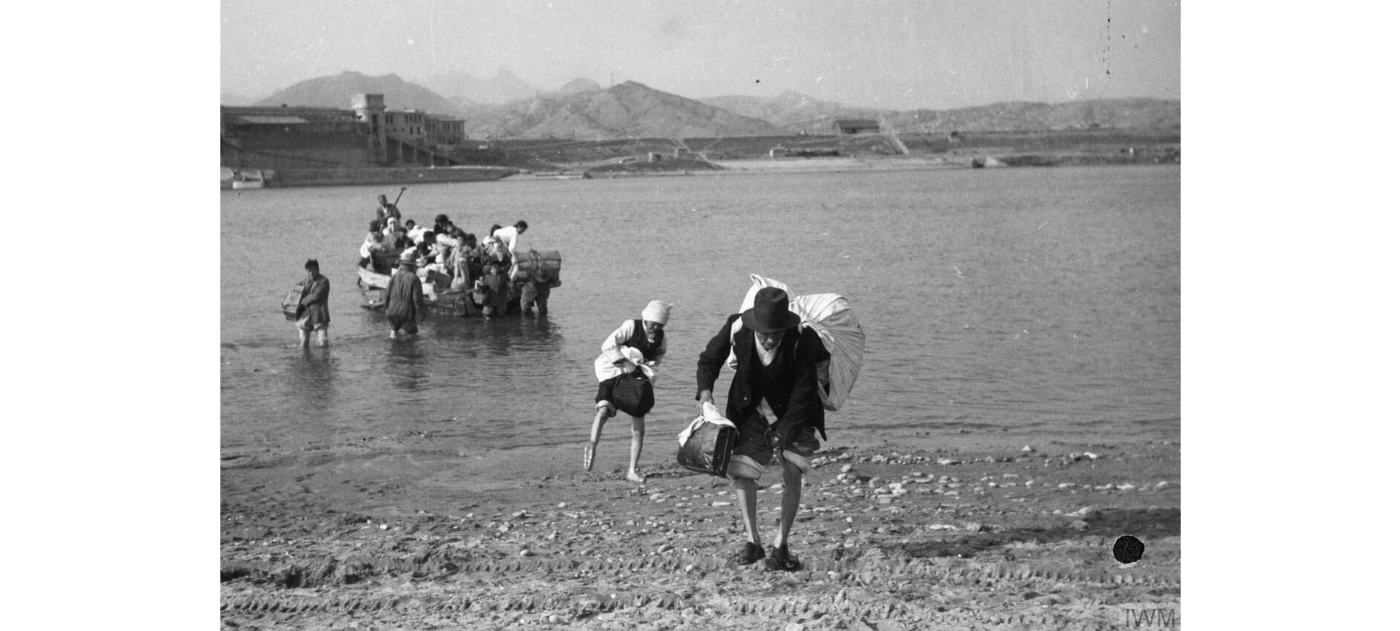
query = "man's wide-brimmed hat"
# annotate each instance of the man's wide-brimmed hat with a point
(770, 312)
(408, 258)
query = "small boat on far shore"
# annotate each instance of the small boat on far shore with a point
(245, 178)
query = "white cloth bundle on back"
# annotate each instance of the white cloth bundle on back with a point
(830, 315)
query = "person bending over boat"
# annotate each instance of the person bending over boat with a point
(314, 310)
(510, 236)
(773, 400)
(636, 346)
(403, 302)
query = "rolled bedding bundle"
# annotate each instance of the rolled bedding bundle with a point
(537, 266)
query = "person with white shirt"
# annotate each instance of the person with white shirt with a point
(510, 236)
(414, 231)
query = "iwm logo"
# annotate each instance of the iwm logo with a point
(1150, 617)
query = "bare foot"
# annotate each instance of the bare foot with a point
(635, 477)
(588, 455)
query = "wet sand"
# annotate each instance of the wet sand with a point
(928, 530)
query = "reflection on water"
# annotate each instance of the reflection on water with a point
(406, 368)
(311, 380)
(1024, 298)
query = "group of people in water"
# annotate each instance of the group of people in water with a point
(442, 248)
(773, 399)
(450, 258)
(442, 255)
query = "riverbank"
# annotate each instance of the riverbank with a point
(281, 178)
(839, 164)
(920, 532)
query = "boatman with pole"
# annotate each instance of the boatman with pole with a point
(387, 209)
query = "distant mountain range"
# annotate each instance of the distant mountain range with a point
(506, 106)
(336, 91)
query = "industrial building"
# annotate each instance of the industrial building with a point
(366, 135)
(856, 126)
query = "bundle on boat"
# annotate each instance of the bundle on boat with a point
(541, 267)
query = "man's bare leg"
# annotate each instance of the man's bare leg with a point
(792, 500)
(303, 338)
(747, 492)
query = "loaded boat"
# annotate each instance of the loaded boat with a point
(496, 291)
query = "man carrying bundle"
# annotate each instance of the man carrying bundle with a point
(774, 402)
(313, 313)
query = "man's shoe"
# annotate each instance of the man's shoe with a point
(783, 560)
(750, 553)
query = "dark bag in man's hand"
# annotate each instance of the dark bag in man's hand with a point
(708, 448)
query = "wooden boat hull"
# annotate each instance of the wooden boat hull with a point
(437, 301)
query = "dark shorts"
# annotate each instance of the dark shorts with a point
(407, 324)
(754, 446)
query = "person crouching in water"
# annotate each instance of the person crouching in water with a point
(635, 347)
(403, 301)
(773, 400)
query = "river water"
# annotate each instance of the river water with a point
(1044, 302)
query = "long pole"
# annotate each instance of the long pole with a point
(401, 190)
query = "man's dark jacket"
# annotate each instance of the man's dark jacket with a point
(789, 383)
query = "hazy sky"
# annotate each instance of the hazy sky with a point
(900, 54)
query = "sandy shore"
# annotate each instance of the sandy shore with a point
(918, 532)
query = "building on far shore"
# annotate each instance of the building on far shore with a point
(366, 135)
(856, 126)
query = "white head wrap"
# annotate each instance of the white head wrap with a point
(657, 311)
